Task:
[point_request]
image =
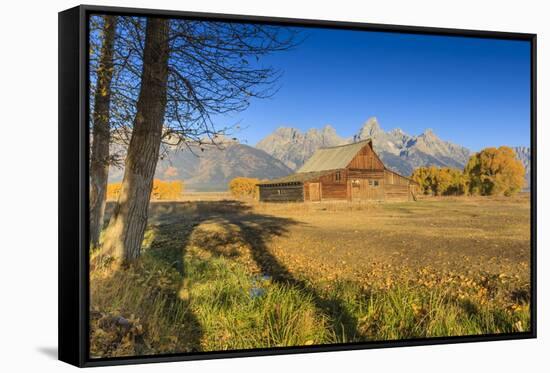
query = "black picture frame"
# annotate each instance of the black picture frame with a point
(74, 190)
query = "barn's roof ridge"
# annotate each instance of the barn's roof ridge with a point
(332, 158)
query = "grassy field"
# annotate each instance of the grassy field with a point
(223, 274)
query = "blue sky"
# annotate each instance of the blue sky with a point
(474, 92)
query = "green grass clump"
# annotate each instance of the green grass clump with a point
(405, 312)
(237, 310)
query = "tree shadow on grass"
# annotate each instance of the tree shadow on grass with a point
(169, 244)
(166, 239)
(255, 230)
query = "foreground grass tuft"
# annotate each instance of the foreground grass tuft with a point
(404, 312)
(136, 310)
(239, 311)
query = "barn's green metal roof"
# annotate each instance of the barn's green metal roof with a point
(333, 158)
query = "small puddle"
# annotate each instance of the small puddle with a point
(256, 292)
(259, 284)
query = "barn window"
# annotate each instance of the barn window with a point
(370, 183)
(337, 176)
(376, 183)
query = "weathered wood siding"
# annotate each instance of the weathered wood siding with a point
(333, 185)
(334, 191)
(394, 178)
(355, 173)
(366, 159)
(306, 191)
(366, 189)
(396, 187)
(314, 190)
(396, 192)
(282, 193)
(366, 184)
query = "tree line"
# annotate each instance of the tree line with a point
(162, 190)
(492, 171)
(157, 83)
(244, 187)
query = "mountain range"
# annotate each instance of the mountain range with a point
(286, 149)
(293, 147)
(399, 151)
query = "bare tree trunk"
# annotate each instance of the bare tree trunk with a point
(99, 165)
(127, 225)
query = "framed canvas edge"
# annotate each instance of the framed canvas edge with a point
(73, 280)
(533, 181)
(306, 22)
(71, 221)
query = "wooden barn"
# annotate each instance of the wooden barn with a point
(346, 172)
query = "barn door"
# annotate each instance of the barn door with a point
(314, 191)
(355, 189)
(366, 192)
(373, 189)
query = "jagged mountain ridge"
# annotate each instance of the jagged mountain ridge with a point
(403, 153)
(399, 151)
(293, 147)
